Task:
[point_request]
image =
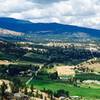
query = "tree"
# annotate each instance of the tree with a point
(37, 93)
(45, 98)
(12, 87)
(3, 89)
(16, 86)
(62, 93)
(41, 96)
(32, 88)
(54, 75)
(25, 90)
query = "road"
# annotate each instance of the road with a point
(28, 81)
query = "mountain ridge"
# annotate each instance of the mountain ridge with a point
(43, 28)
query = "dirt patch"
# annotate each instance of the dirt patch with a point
(4, 62)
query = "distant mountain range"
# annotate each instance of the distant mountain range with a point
(28, 27)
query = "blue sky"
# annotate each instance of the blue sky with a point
(75, 12)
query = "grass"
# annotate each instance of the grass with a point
(91, 85)
(54, 86)
(88, 76)
(27, 62)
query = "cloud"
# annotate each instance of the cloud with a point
(75, 12)
(46, 1)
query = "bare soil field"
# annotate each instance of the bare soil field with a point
(65, 70)
(95, 66)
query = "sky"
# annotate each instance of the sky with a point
(85, 13)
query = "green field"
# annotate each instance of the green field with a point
(91, 85)
(87, 76)
(74, 91)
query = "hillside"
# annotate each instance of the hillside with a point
(9, 32)
(48, 61)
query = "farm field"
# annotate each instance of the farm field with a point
(65, 71)
(91, 85)
(79, 91)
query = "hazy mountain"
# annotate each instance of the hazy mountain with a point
(46, 28)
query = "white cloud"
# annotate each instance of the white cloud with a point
(78, 12)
